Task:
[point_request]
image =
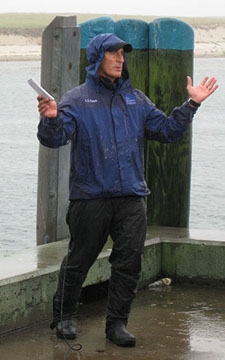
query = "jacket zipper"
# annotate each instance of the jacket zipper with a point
(114, 130)
(125, 117)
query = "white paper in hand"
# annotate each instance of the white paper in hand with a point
(39, 90)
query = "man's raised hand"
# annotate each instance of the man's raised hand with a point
(200, 92)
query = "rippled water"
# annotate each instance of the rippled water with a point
(19, 153)
(208, 154)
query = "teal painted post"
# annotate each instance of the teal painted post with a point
(169, 165)
(136, 32)
(90, 29)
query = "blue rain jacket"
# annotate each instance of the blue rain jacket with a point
(106, 128)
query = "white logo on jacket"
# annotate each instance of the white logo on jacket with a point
(90, 100)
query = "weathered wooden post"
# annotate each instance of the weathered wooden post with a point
(90, 29)
(169, 166)
(60, 65)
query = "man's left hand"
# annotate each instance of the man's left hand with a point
(203, 90)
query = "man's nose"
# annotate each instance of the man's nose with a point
(120, 57)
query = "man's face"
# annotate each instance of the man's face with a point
(112, 64)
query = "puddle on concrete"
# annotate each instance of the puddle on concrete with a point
(170, 323)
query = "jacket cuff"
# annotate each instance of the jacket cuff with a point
(51, 122)
(193, 109)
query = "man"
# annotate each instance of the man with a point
(105, 120)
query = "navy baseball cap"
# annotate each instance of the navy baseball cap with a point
(126, 46)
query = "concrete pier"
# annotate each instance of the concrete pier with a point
(28, 278)
(182, 322)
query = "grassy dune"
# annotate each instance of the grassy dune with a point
(35, 23)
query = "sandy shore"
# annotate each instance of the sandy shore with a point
(209, 42)
(18, 47)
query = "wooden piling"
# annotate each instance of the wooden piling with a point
(59, 73)
(135, 32)
(90, 29)
(169, 165)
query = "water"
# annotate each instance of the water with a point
(208, 152)
(19, 153)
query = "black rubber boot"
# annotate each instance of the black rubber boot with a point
(66, 298)
(121, 292)
(118, 334)
(65, 329)
(64, 317)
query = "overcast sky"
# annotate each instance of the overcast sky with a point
(189, 8)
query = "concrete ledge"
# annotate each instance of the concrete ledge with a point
(199, 258)
(28, 279)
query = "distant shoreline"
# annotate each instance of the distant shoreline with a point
(209, 42)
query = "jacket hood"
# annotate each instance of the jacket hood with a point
(96, 52)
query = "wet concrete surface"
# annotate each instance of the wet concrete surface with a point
(184, 322)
